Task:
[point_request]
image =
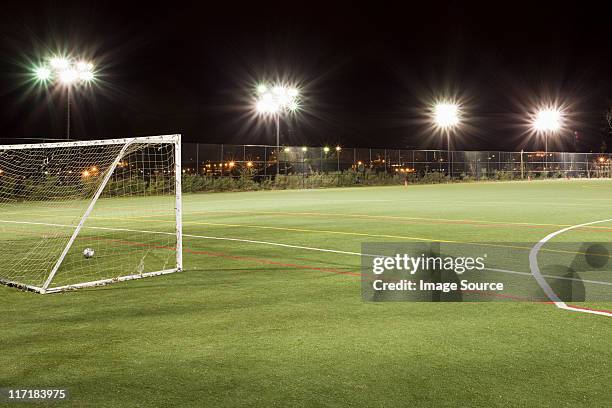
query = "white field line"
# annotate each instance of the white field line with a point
(551, 276)
(278, 244)
(535, 271)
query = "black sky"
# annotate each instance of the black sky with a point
(366, 71)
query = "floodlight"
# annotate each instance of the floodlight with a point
(446, 115)
(280, 99)
(547, 120)
(292, 106)
(326, 149)
(67, 72)
(338, 148)
(266, 106)
(86, 76)
(276, 100)
(59, 63)
(42, 73)
(82, 66)
(68, 76)
(304, 149)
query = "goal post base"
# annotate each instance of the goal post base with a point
(104, 282)
(23, 286)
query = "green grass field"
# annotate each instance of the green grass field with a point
(252, 324)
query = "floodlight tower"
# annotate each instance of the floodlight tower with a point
(68, 73)
(547, 121)
(446, 116)
(276, 100)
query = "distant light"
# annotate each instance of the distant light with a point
(293, 92)
(94, 169)
(326, 149)
(249, 164)
(85, 173)
(42, 73)
(261, 89)
(602, 159)
(548, 120)
(446, 115)
(304, 149)
(287, 149)
(338, 148)
(232, 164)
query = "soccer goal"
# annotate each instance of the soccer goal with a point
(81, 214)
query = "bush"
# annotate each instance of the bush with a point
(503, 175)
(433, 177)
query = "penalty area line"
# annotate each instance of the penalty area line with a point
(537, 274)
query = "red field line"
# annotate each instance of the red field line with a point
(313, 268)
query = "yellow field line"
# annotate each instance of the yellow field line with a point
(403, 237)
(348, 233)
(388, 217)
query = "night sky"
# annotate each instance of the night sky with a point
(367, 73)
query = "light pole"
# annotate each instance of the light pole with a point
(446, 116)
(67, 72)
(277, 100)
(547, 121)
(323, 150)
(338, 150)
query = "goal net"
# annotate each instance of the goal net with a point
(79, 214)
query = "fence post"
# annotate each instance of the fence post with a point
(385, 160)
(587, 165)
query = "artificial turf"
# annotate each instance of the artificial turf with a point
(251, 324)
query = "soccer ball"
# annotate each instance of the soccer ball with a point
(88, 253)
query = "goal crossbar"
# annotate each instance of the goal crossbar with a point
(176, 138)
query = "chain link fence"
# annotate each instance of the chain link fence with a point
(261, 162)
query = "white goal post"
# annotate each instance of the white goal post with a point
(90, 213)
